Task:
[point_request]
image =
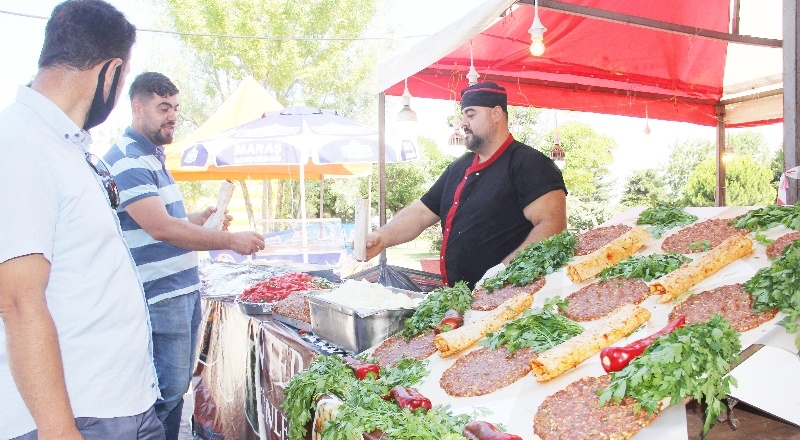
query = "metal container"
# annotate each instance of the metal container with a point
(356, 330)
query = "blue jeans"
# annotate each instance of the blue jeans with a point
(144, 426)
(175, 323)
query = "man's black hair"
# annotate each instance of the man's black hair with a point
(147, 83)
(83, 33)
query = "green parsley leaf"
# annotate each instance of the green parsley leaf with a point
(776, 287)
(702, 246)
(431, 310)
(691, 361)
(540, 329)
(770, 216)
(647, 267)
(664, 218)
(541, 258)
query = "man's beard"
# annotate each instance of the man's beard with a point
(158, 139)
(474, 143)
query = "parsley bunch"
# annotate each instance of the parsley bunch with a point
(776, 286)
(330, 375)
(431, 310)
(664, 218)
(542, 258)
(540, 329)
(647, 267)
(689, 362)
(770, 216)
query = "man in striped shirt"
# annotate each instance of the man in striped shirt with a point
(162, 238)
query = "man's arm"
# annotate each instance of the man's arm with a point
(34, 355)
(151, 215)
(548, 214)
(404, 226)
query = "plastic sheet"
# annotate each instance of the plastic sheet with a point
(400, 277)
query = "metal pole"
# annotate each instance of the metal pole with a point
(382, 165)
(791, 94)
(720, 193)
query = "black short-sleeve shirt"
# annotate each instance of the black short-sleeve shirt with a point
(481, 205)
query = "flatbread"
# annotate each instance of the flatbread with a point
(603, 297)
(715, 231)
(608, 255)
(573, 414)
(485, 371)
(675, 283)
(458, 340)
(775, 249)
(577, 349)
(484, 300)
(392, 349)
(595, 238)
(731, 301)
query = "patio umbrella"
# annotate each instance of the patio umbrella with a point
(290, 142)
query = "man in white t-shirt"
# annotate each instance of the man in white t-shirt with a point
(75, 352)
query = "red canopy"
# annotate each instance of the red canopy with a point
(590, 64)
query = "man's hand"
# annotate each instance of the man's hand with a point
(247, 243)
(374, 244)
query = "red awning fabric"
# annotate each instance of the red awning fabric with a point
(591, 64)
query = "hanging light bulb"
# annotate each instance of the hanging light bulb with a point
(537, 32)
(727, 155)
(407, 122)
(557, 153)
(646, 120)
(473, 75)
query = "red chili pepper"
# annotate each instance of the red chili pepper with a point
(409, 398)
(451, 321)
(486, 431)
(360, 368)
(616, 358)
(376, 434)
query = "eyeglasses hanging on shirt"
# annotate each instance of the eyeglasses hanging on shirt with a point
(108, 182)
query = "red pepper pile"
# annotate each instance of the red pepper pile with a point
(279, 287)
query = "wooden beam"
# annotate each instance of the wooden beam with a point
(616, 17)
(791, 97)
(576, 87)
(720, 193)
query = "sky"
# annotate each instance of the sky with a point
(21, 39)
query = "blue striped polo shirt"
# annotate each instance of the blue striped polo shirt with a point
(137, 165)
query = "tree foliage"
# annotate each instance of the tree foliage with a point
(308, 58)
(685, 156)
(747, 183)
(644, 188)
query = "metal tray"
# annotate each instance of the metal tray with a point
(249, 308)
(356, 330)
(296, 323)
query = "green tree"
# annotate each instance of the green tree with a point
(685, 155)
(583, 215)
(198, 194)
(310, 56)
(644, 188)
(525, 123)
(588, 159)
(747, 183)
(750, 143)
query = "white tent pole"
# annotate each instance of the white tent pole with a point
(303, 210)
(791, 95)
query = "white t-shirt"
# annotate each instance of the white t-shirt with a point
(54, 204)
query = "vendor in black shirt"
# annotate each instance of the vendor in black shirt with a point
(492, 202)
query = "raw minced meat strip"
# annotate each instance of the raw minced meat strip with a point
(484, 300)
(594, 239)
(294, 306)
(601, 298)
(573, 414)
(775, 249)
(394, 348)
(715, 231)
(731, 301)
(484, 371)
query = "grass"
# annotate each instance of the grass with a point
(409, 254)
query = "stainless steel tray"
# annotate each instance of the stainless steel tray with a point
(249, 308)
(296, 323)
(356, 330)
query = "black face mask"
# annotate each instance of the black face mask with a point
(100, 110)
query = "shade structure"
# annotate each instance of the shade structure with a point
(597, 61)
